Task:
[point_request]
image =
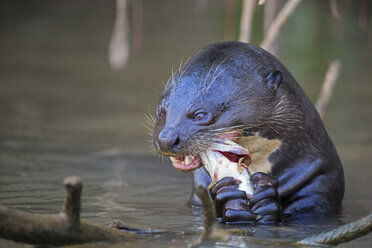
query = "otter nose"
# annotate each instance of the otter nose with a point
(168, 141)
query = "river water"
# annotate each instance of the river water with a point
(65, 112)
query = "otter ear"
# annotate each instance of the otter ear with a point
(274, 79)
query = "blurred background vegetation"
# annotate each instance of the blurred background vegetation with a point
(56, 81)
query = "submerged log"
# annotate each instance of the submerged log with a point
(341, 234)
(57, 229)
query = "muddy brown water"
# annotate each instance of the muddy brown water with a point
(65, 112)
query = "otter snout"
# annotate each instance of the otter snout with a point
(168, 142)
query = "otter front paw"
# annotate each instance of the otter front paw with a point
(265, 202)
(232, 206)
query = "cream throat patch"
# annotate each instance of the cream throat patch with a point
(260, 149)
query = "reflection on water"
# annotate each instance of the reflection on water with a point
(65, 112)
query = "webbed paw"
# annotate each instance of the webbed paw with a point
(233, 206)
(265, 202)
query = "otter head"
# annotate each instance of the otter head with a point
(227, 90)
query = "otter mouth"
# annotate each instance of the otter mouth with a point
(225, 145)
(187, 163)
(192, 162)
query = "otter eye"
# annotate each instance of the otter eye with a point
(199, 116)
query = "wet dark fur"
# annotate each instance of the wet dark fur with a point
(229, 82)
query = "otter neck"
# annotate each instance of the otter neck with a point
(260, 149)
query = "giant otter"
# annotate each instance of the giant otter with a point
(240, 89)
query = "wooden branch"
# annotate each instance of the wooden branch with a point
(229, 25)
(119, 48)
(329, 83)
(271, 9)
(72, 203)
(246, 20)
(137, 18)
(278, 23)
(57, 229)
(334, 9)
(363, 15)
(341, 234)
(212, 232)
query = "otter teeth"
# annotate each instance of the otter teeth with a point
(188, 160)
(175, 160)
